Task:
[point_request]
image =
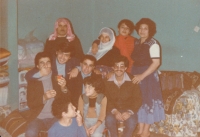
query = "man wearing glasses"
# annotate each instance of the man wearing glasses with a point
(124, 99)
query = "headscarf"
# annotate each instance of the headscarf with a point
(69, 36)
(103, 48)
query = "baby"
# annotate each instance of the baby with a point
(95, 45)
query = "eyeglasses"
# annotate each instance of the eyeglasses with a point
(119, 66)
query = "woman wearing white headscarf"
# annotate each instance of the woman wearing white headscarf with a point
(106, 51)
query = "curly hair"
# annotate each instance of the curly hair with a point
(150, 23)
(89, 57)
(120, 58)
(66, 48)
(128, 23)
(59, 106)
(96, 82)
(39, 56)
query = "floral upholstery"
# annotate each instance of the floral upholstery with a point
(185, 118)
(182, 104)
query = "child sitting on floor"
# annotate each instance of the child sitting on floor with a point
(67, 125)
(92, 106)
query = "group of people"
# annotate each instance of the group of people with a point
(73, 94)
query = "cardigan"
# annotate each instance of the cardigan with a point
(35, 94)
(126, 97)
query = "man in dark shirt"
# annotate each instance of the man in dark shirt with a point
(41, 93)
(75, 84)
(124, 99)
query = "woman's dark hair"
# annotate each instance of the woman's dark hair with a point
(59, 106)
(96, 82)
(151, 24)
(39, 56)
(128, 23)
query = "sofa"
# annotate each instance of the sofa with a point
(181, 96)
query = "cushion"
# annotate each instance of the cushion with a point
(4, 53)
(15, 124)
(4, 111)
(169, 99)
(3, 95)
(4, 79)
(190, 79)
(3, 68)
(4, 61)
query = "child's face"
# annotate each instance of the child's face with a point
(94, 48)
(71, 110)
(124, 30)
(89, 90)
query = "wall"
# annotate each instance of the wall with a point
(175, 20)
(175, 23)
(8, 34)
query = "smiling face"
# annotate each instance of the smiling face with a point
(143, 31)
(90, 90)
(63, 57)
(61, 29)
(104, 38)
(124, 30)
(119, 69)
(87, 66)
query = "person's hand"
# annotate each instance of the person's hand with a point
(109, 75)
(97, 71)
(73, 73)
(137, 79)
(118, 115)
(125, 115)
(44, 71)
(92, 129)
(49, 94)
(61, 82)
(94, 49)
(87, 131)
(79, 118)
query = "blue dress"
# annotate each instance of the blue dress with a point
(152, 109)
